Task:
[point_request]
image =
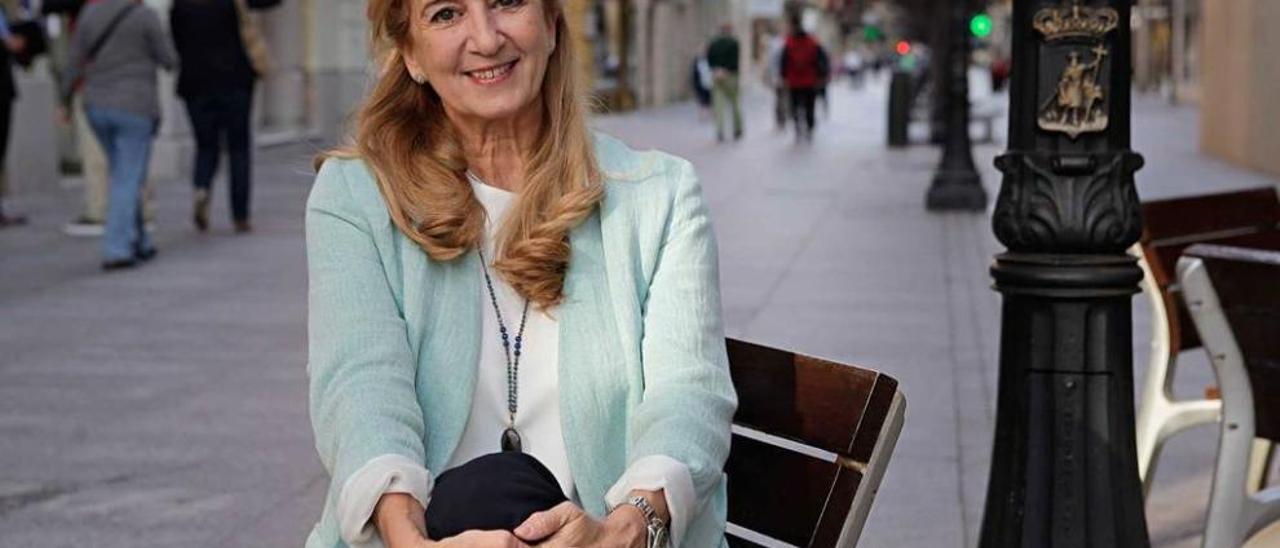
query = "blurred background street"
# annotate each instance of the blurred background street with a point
(167, 406)
(183, 413)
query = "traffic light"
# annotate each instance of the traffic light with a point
(980, 25)
(903, 47)
(872, 33)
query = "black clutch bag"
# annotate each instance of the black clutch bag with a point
(495, 491)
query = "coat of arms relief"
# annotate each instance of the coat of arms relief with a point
(1078, 103)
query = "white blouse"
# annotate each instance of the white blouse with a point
(537, 416)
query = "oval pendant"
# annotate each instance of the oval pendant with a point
(511, 440)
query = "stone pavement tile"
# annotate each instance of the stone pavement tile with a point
(747, 286)
(163, 406)
(921, 510)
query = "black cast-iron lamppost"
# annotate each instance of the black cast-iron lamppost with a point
(956, 185)
(1064, 470)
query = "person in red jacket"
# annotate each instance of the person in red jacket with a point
(805, 69)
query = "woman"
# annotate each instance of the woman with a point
(216, 81)
(485, 274)
(117, 47)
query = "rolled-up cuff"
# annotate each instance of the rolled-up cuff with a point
(384, 474)
(660, 472)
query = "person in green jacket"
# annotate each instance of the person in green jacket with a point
(722, 55)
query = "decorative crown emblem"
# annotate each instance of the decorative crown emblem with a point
(1075, 21)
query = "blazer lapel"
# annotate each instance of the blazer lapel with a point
(450, 352)
(593, 382)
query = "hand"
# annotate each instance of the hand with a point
(16, 43)
(477, 539)
(567, 525)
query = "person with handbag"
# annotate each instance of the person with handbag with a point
(514, 323)
(93, 161)
(116, 49)
(10, 45)
(806, 69)
(221, 54)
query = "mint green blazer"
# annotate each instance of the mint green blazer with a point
(393, 336)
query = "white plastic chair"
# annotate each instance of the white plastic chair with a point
(1237, 510)
(1160, 416)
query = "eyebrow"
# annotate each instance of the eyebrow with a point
(430, 3)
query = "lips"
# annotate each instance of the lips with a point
(491, 75)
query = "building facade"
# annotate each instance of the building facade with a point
(1239, 113)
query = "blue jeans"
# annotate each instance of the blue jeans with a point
(126, 140)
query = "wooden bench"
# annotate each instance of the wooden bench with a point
(811, 440)
(1248, 218)
(1233, 295)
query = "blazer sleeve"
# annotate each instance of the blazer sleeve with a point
(362, 374)
(689, 400)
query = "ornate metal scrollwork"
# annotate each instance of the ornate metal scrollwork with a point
(1068, 204)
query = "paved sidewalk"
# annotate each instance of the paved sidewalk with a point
(827, 249)
(167, 405)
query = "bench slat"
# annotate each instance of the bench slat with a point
(739, 542)
(777, 492)
(1197, 215)
(794, 494)
(1247, 282)
(1163, 259)
(809, 400)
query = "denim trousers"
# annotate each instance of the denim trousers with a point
(126, 139)
(213, 118)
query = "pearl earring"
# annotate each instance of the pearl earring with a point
(420, 79)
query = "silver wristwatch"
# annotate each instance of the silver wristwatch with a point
(654, 524)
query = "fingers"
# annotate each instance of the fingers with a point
(544, 524)
(483, 539)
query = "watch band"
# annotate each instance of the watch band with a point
(657, 528)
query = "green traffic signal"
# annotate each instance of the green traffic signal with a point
(980, 25)
(872, 33)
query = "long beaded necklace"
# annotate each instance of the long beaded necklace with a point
(510, 438)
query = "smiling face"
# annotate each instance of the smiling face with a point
(486, 59)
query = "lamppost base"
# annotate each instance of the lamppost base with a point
(956, 191)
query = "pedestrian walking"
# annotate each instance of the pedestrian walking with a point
(13, 45)
(460, 242)
(117, 48)
(700, 80)
(216, 82)
(722, 56)
(93, 161)
(805, 67)
(854, 66)
(773, 79)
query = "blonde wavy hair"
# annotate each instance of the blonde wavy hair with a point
(402, 133)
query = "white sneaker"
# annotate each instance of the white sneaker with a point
(83, 227)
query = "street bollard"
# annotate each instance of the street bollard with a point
(899, 108)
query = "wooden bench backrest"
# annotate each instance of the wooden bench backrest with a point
(789, 495)
(1249, 218)
(1247, 282)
